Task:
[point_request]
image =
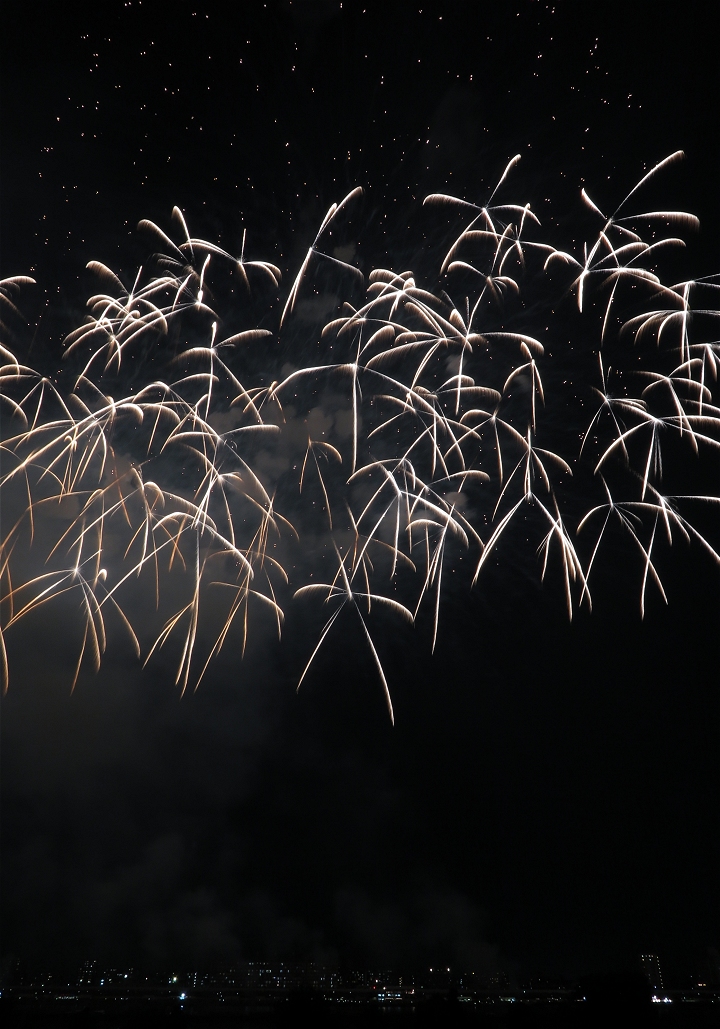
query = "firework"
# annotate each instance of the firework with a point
(227, 473)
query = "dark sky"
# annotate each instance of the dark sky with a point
(547, 798)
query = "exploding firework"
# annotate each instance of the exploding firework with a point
(431, 431)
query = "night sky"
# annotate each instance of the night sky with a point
(546, 802)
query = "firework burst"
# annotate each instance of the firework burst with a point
(430, 431)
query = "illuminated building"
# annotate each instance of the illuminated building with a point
(651, 967)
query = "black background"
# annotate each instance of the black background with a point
(547, 800)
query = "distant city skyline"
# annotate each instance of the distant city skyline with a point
(254, 973)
